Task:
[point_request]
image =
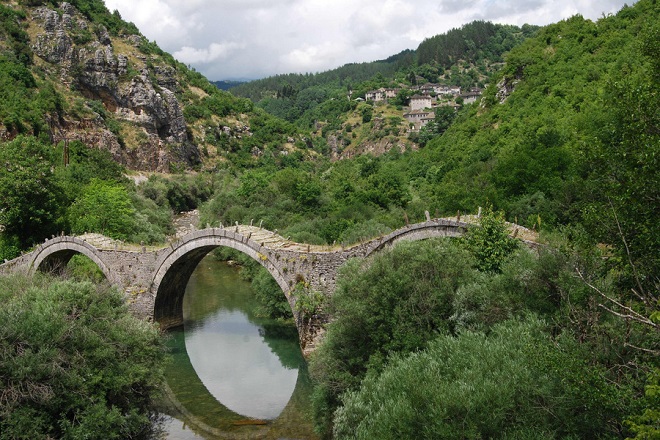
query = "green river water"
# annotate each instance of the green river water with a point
(234, 375)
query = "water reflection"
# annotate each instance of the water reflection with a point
(231, 366)
(231, 359)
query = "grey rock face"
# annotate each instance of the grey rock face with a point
(149, 108)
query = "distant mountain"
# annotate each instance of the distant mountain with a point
(227, 84)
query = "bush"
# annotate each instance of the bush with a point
(515, 383)
(105, 208)
(31, 196)
(396, 301)
(490, 242)
(272, 301)
(74, 363)
(10, 247)
(82, 268)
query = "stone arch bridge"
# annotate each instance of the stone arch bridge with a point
(155, 279)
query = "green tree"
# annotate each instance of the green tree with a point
(515, 383)
(74, 363)
(272, 301)
(623, 160)
(403, 96)
(386, 188)
(86, 163)
(103, 207)
(490, 242)
(394, 302)
(30, 195)
(367, 111)
(444, 116)
(646, 426)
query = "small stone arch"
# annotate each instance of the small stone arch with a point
(174, 268)
(419, 231)
(55, 254)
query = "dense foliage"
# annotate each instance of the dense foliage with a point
(289, 85)
(40, 196)
(514, 383)
(481, 368)
(31, 199)
(562, 341)
(474, 41)
(344, 202)
(74, 363)
(576, 142)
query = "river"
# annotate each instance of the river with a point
(234, 374)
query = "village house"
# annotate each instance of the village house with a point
(419, 118)
(426, 89)
(420, 102)
(448, 90)
(372, 95)
(471, 96)
(438, 89)
(381, 94)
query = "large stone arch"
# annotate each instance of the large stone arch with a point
(55, 254)
(174, 268)
(419, 231)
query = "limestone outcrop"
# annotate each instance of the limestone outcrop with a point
(141, 120)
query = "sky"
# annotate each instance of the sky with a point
(252, 39)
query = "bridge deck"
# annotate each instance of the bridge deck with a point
(274, 241)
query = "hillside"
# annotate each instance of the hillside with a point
(77, 72)
(479, 43)
(329, 103)
(227, 84)
(567, 133)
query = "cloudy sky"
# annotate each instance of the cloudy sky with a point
(239, 39)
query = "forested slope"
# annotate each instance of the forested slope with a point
(568, 133)
(464, 57)
(558, 343)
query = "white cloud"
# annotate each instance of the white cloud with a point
(312, 58)
(227, 39)
(373, 25)
(215, 52)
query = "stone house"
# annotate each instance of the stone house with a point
(419, 118)
(420, 102)
(427, 89)
(381, 94)
(471, 96)
(448, 90)
(438, 89)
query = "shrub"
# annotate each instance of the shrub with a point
(396, 301)
(515, 383)
(74, 363)
(105, 208)
(490, 242)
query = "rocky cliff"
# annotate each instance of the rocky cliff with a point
(119, 97)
